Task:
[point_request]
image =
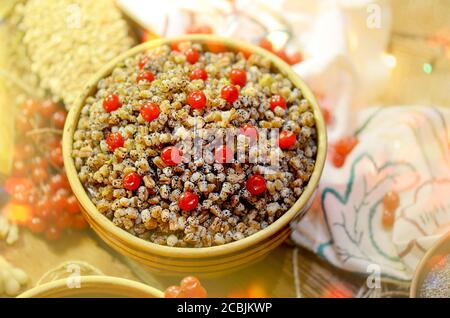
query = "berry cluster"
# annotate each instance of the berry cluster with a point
(391, 201)
(341, 149)
(190, 287)
(38, 182)
(291, 59)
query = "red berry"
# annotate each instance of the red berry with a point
(79, 222)
(43, 207)
(335, 292)
(54, 142)
(143, 62)
(250, 131)
(391, 201)
(64, 221)
(19, 188)
(196, 99)
(192, 55)
(72, 205)
(326, 115)
(174, 46)
(201, 29)
(238, 77)
(256, 184)
(48, 214)
(11, 184)
(150, 111)
(20, 169)
(216, 47)
(37, 225)
(47, 108)
(38, 162)
(192, 288)
(388, 218)
(59, 118)
(174, 292)
(171, 156)
(198, 73)
(23, 124)
(145, 76)
(39, 175)
(24, 151)
(53, 234)
(338, 159)
(295, 58)
(189, 281)
(223, 154)
(266, 44)
(277, 101)
(287, 139)
(59, 200)
(131, 181)
(111, 103)
(230, 93)
(345, 145)
(30, 106)
(58, 181)
(56, 156)
(282, 55)
(114, 140)
(188, 201)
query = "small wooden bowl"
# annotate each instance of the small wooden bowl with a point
(209, 261)
(441, 247)
(94, 287)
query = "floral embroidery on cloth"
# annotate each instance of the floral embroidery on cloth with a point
(401, 149)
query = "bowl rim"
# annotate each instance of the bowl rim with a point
(420, 269)
(53, 288)
(186, 252)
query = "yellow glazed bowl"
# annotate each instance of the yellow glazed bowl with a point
(94, 287)
(208, 261)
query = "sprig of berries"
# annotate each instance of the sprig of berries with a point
(41, 198)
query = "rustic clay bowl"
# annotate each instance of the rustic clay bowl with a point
(208, 260)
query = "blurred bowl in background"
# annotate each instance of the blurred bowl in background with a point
(437, 258)
(94, 287)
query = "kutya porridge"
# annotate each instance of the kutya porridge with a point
(146, 147)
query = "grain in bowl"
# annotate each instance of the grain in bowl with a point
(166, 146)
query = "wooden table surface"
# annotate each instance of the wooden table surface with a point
(272, 277)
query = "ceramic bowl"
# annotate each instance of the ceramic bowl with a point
(207, 260)
(94, 287)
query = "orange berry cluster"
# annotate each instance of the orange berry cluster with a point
(391, 201)
(341, 149)
(38, 182)
(291, 59)
(190, 287)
